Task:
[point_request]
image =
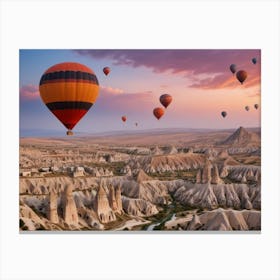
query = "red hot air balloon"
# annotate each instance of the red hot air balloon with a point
(241, 76)
(165, 100)
(124, 118)
(106, 70)
(232, 68)
(69, 90)
(224, 114)
(158, 112)
(247, 108)
(256, 106)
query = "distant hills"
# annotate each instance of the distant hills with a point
(242, 137)
(153, 131)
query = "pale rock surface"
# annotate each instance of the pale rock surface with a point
(102, 208)
(138, 207)
(70, 214)
(226, 220)
(52, 207)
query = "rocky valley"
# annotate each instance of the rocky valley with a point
(178, 181)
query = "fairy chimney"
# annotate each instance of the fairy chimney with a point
(52, 207)
(112, 198)
(198, 176)
(102, 207)
(215, 178)
(70, 214)
(206, 173)
(119, 199)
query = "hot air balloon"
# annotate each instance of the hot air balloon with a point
(158, 112)
(106, 70)
(124, 118)
(69, 90)
(232, 68)
(241, 76)
(254, 60)
(165, 100)
(256, 106)
(224, 114)
(247, 108)
(136, 124)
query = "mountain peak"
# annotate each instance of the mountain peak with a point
(242, 137)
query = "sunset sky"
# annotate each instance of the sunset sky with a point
(199, 81)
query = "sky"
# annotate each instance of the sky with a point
(199, 81)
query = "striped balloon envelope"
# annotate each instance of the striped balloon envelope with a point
(69, 90)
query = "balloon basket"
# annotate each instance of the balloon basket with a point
(69, 133)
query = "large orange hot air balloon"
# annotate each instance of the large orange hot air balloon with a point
(241, 76)
(106, 70)
(124, 118)
(165, 100)
(69, 90)
(158, 112)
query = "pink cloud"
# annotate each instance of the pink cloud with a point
(111, 90)
(188, 63)
(29, 92)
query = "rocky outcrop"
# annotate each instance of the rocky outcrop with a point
(138, 207)
(102, 207)
(70, 214)
(52, 207)
(198, 176)
(207, 196)
(142, 176)
(156, 151)
(226, 220)
(215, 178)
(242, 137)
(206, 173)
(244, 173)
(171, 150)
(164, 163)
(119, 200)
(112, 198)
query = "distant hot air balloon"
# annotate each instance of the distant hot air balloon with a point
(247, 108)
(136, 124)
(106, 70)
(232, 68)
(241, 76)
(254, 60)
(69, 90)
(256, 106)
(124, 118)
(165, 100)
(224, 114)
(158, 112)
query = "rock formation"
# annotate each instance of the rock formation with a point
(52, 207)
(70, 214)
(142, 176)
(102, 207)
(119, 200)
(198, 176)
(138, 207)
(221, 219)
(112, 198)
(238, 196)
(215, 178)
(206, 173)
(242, 137)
